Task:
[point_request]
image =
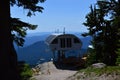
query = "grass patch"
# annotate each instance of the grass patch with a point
(100, 71)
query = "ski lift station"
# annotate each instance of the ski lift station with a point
(61, 42)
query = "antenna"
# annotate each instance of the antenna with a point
(57, 30)
(64, 30)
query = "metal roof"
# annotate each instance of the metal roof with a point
(50, 38)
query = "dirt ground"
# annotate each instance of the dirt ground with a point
(48, 71)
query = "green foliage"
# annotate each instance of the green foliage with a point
(100, 71)
(90, 73)
(19, 29)
(118, 53)
(13, 29)
(25, 71)
(117, 23)
(103, 22)
(91, 58)
(94, 54)
(30, 5)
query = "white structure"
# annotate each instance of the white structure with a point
(63, 42)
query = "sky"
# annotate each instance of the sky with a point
(57, 15)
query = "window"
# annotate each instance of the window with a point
(69, 42)
(62, 42)
(76, 40)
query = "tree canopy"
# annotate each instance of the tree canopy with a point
(19, 27)
(31, 6)
(13, 29)
(103, 23)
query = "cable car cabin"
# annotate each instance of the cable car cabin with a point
(63, 42)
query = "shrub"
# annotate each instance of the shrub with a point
(25, 71)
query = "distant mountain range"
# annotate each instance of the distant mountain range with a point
(36, 51)
(33, 53)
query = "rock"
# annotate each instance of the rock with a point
(98, 65)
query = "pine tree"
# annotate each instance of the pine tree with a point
(18, 29)
(103, 26)
(8, 56)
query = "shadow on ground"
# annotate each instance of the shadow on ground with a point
(60, 65)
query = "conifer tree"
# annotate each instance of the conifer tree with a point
(8, 56)
(103, 25)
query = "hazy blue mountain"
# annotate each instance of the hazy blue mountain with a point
(33, 53)
(35, 49)
(34, 37)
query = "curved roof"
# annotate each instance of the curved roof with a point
(54, 36)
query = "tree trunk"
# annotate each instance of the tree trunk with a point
(8, 58)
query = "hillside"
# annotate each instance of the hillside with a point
(34, 53)
(106, 73)
(35, 37)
